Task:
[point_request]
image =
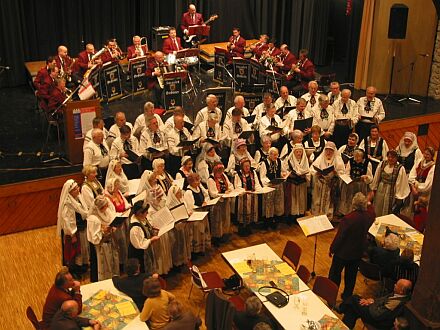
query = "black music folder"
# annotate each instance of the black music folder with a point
(325, 171)
(303, 124)
(272, 128)
(246, 135)
(250, 119)
(187, 143)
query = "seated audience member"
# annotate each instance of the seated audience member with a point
(132, 284)
(57, 97)
(64, 288)
(155, 310)
(379, 312)
(247, 319)
(67, 318)
(387, 256)
(181, 319)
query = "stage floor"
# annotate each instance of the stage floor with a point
(23, 132)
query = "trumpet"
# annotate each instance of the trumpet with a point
(118, 51)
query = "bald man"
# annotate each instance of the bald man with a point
(239, 103)
(63, 61)
(379, 312)
(370, 112)
(113, 132)
(67, 318)
(156, 67)
(83, 63)
(191, 17)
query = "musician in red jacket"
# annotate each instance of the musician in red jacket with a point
(137, 49)
(46, 86)
(171, 44)
(285, 59)
(43, 74)
(191, 17)
(112, 54)
(301, 73)
(56, 98)
(83, 62)
(156, 67)
(64, 61)
(236, 44)
(261, 46)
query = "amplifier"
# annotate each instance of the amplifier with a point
(159, 33)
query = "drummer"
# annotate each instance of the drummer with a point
(172, 44)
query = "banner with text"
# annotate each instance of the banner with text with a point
(173, 92)
(112, 82)
(138, 77)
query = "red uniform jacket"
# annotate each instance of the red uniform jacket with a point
(259, 49)
(131, 51)
(169, 45)
(240, 45)
(307, 73)
(44, 91)
(274, 51)
(287, 61)
(187, 21)
(54, 300)
(151, 65)
(56, 98)
(67, 65)
(41, 77)
(107, 57)
(82, 63)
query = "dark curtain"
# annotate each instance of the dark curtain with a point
(32, 29)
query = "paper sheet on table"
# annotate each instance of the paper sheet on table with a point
(315, 225)
(133, 186)
(285, 269)
(162, 218)
(126, 308)
(264, 190)
(179, 212)
(198, 216)
(242, 267)
(140, 197)
(179, 183)
(346, 178)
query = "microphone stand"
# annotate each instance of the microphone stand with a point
(274, 78)
(234, 82)
(389, 97)
(408, 95)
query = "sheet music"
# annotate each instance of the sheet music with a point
(315, 225)
(233, 193)
(212, 201)
(124, 214)
(165, 229)
(133, 186)
(141, 197)
(264, 190)
(162, 218)
(198, 216)
(179, 212)
(346, 178)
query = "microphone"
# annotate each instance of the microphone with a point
(424, 55)
(5, 67)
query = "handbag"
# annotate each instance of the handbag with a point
(276, 298)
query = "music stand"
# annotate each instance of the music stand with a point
(137, 67)
(199, 30)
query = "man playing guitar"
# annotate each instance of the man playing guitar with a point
(191, 17)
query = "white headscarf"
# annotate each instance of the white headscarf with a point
(123, 180)
(204, 156)
(108, 215)
(322, 163)
(402, 149)
(67, 199)
(303, 164)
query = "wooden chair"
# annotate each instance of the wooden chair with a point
(38, 325)
(304, 274)
(238, 303)
(292, 254)
(326, 289)
(371, 272)
(205, 281)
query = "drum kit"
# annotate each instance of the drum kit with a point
(184, 60)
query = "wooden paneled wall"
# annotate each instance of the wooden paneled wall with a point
(420, 38)
(32, 204)
(393, 130)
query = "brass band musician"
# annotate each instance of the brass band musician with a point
(301, 73)
(236, 44)
(269, 55)
(64, 62)
(261, 46)
(156, 67)
(113, 52)
(56, 98)
(137, 49)
(285, 59)
(84, 61)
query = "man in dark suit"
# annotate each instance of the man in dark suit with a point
(191, 17)
(379, 312)
(236, 44)
(137, 49)
(350, 243)
(172, 44)
(286, 59)
(67, 318)
(132, 284)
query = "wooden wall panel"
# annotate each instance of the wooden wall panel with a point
(420, 38)
(393, 130)
(30, 205)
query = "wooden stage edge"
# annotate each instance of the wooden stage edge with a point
(34, 204)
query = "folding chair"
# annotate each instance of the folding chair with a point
(326, 289)
(291, 254)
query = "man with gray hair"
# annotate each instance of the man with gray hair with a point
(96, 152)
(181, 319)
(239, 103)
(211, 107)
(350, 243)
(386, 256)
(67, 318)
(251, 316)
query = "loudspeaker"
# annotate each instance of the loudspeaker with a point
(159, 33)
(398, 21)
